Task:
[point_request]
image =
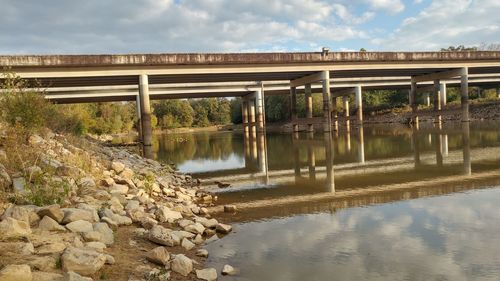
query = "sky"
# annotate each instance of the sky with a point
(166, 26)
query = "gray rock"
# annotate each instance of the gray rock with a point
(229, 270)
(117, 166)
(107, 236)
(224, 228)
(43, 263)
(164, 214)
(92, 236)
(160, 235)
(108, 182)
(52, 211)
(48, 224)
(74, 214)
(186, 244)
(87, 182)
(118, 188)
(196, 228)
(51, 248)
(208, 274)
(158, 255)
(182, 265)
(11, 229)
(80, 226)
(127, 174)
(82, 261)
(73, 276)
(208, 223)
(202, 253)
(22, 213)
(19, 185)
(15, 272)
(21, 248)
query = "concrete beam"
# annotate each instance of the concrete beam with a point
(320, 76)
(439, 75)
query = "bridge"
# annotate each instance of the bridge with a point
(141, 78)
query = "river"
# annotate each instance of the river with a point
(380, 202)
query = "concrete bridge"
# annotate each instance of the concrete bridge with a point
(99, 78)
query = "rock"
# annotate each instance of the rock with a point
(97, 246)
(164, 214)
(184, 222)
(158, 255)
(5, 179)
(87, 183)
(186, 244)
(19, 185)
(110, 222)
(92, 236)
(183, 234)
(20, 248)
(196, 228)
(110, 259)
(117, 166)
(52, 211)
(182, 265)
(230, 208)
(208, 223)
(208, 274)
(51, 248)
(118, 188)
(160, 235)
(46, 276)
(44, 263)
(224, 228)
(198, 239)
(202, 253)
(74, 214)
(15, 272)
(108, 182)
(67, 171)
(148, 222)
(48, 224)
(132, 205)
(73, 276)
(82, 261)
(21, 213)
(11, 229)
(229, 270)
(80, 226)
(107, 236)
(127, 174)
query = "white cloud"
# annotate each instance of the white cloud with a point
(447, 23)
(391, 6)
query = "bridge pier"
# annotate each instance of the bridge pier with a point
(437, 101)
(259, 101)
(442, 91)
(309, 106)
(327, 126)
(464, 94)
(139, 119)
(251, 115)
(147, 130)
(427, 99)
(335, 119)
(293, 108)
(244, 114)
(345, 100)
(359, 103)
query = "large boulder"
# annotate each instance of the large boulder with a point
(182, 265)
(158, 255)
(164, 214)
(20, 248)
(74, 214)
(51, 248)
(208, 274)
(16, 272)
(107, 236)
(117, 166)
(11, 229)
(82, 261)
(224, 228)
(80, 226)
(160, 235)
(196, 228)
(49, 224)
(22, 213)
(52, 211)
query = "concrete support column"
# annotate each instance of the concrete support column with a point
(442, 90)
(437, 101)
(427, 99)
(464, 94)
(244, 114)
(335, 119)
(345, 100)
(259, 100)
(251, 114)
(359, 103)
(413, 102)
(293, 108)
(327, 126)
(147, 131)
(309, 107)
(139, 119)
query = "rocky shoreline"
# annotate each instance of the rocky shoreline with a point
(124, 218)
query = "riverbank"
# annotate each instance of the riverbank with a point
(80, 208)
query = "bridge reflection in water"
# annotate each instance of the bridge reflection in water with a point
(319, 169)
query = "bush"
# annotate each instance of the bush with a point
(23, 106)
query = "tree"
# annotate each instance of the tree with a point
(459, 48)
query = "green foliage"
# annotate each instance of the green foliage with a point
(277, 108)
(23, 106)
(236, 117)
(173, 113)
(459, 48)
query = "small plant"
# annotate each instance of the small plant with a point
(59, 263)
(149, 181)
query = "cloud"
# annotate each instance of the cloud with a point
(391, 6)
(95, 26)
(447, 23)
